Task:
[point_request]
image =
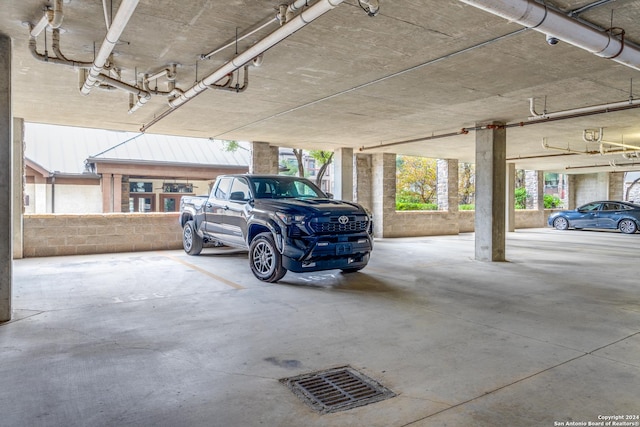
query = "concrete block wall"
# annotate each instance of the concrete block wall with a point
(421, 223)
(531, 218)
(82, 234)
(466, 221)
(79, 234)
(590, 187)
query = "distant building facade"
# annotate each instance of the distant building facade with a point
(78, 170)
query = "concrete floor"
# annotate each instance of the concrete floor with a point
(164, 339)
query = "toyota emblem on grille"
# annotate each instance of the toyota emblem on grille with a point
(343, 219)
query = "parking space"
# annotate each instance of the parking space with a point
(165, 339)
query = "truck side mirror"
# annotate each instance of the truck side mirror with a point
(238, 196)
(330, 195)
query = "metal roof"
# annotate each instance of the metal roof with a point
(65, 149)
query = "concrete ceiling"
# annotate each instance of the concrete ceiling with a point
(418, 68)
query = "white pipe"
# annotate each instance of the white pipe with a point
(40, 26)
(284, 15)
(125, 11)
(52, 18)
(583, 110)
(540, 18)
(60, 60)
(623, 145)
(106, 14)
(292, 9)
(56, 19)
(304, 18)
(589, 135)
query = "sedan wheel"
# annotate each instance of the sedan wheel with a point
(627, 226)
(561, 223)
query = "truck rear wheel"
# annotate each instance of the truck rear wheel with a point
(265, 260)
(191, 242)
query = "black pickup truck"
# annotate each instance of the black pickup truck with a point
(286, 223)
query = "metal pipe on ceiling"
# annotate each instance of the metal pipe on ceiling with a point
(125, 11)
(548, 21)
(592, 109)
(284, 14)
(305, 17)
(50, 18)
(543, 118)
(60, 59)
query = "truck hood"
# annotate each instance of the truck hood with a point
(306, 206)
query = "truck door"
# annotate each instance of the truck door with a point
(235, 221)
(214, 208)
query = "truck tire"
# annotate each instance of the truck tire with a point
(191, 242)
(265, 260)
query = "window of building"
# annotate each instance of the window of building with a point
(142, 202)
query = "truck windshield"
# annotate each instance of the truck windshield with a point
(276, 188)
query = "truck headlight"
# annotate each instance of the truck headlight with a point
(290, 219)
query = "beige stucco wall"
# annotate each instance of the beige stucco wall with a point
(77, 234)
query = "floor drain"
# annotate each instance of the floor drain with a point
(337, 389)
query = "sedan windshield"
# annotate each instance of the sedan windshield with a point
(276, 188)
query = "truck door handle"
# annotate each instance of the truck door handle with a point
(209, 205)
(226, 207)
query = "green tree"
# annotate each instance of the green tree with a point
(416, 178)
(551, 201)
(298, 152)
(521, 198)
(466, 183)
(291, 167)
(230, 146)
(324, 159)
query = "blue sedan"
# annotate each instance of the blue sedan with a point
(606, 214)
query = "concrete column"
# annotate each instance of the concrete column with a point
(510, 211)
(117, 193)
(384, 192)
(343, 174)
(264, 158)
(6, 177)
(18, 186)
(447, 185)
(571, 192)
(534, 183)
(363, 181)
(616, 186)
(107, 191)
(490, 193)
(540, 193)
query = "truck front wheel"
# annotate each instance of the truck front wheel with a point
(191, 242)
(265, 260)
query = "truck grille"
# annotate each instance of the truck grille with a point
(333, 225)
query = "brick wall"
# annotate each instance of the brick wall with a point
(78, 234)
